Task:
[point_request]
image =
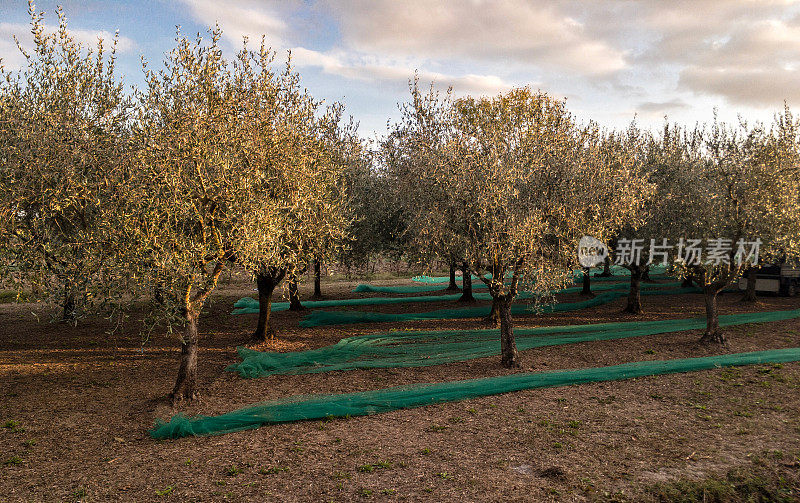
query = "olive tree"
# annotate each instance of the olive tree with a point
(734, 190)
(308, 197)
(527, 181)
(222, 174)
(63, 131)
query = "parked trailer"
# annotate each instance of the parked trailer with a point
(780, 279)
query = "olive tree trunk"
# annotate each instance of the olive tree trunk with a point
(266, 284)
(508, 345)
(587, 283)
(294, 297)
(317, 280)
(750, 292)
(606, 268)
(634, 304)
(186, 383)
(453, 286)
(494, 315)
(713, 332)
(466, 282)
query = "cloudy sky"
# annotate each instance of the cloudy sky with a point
(613, 60)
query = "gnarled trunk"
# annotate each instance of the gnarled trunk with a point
(317, 280)
(634, 304)
(508, 345)
(646, 273)
(466, 282)
(70, 305)
(688, 281)
(294, 297)
(587, 283)
(713, 332)
(453, 286)
(606, 269)
(266, 284)
(186, 383)
(750, 292)
(494, 315)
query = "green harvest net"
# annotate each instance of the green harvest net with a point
(616, 270)
(364, 288)
(306, 407)
(249, 305)
(425, 348)
(322, 318)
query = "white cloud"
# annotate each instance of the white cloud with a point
(514, 32)
(249, 18)
(371, 70)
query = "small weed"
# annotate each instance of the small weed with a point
(30, 442)
(232, 471)
(435, 427)
(425, 451)
(273, 470)
(456, 420)
(472, 411)
(13, 426)
(389, 491)
(221, 483)
(444, 476)
(650, 352)
(369, 468)
(187, 462)
(365, 492)
(165, 492)
(574, 424)
(13, 461)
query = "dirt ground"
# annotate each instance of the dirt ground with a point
(76, 404)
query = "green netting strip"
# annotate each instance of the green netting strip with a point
(307, 407)
(365, 288)
(426, 348)
(616, 270)
(321, 318)
(249, 305)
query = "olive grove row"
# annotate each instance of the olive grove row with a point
(111, 199)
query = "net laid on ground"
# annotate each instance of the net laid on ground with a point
(306, 407)
(322, 318)
(249, 305)
(426, 348)
(615, 270)
(433, 287)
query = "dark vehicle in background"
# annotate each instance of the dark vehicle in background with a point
(782, 279)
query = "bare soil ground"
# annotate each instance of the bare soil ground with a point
(76, 404)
